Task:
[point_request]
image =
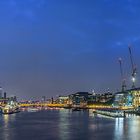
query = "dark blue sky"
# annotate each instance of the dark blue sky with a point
(53, 47)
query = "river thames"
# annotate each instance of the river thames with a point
(67, 125)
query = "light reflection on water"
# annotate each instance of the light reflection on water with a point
(6, 120)
(127, 128)
(134, 128)
(64, 124)
(67, 125)
(119, 128)
(7, 131)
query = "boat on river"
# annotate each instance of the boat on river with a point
(10, 108)
(76, 109)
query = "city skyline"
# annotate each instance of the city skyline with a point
(51, 48)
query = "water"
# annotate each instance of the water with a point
(67, 125)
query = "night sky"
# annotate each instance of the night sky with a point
(59, 47)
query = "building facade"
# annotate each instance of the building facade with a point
(129, 98)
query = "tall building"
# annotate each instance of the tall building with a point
(1, 91)
(5, 95)
(15, 98)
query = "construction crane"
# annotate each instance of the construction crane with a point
(123, 81)
(134, 69)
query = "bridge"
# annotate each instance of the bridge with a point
(41, 105)
(93, 106)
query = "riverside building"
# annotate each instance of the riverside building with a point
(129, 98)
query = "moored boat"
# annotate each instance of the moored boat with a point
(10, 109)
(76, 109)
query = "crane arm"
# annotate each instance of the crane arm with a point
(131, 58)
(122, 76)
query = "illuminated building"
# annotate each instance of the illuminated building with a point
(128, 98)
(79, 99)
(84, 98)
(121, 99)
(105, 97)
(134, 95)
(63, 100)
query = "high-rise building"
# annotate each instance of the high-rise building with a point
(52, 101)
(15, 98)
(5, 95)
(1, 91)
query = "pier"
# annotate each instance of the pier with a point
(111, 113)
